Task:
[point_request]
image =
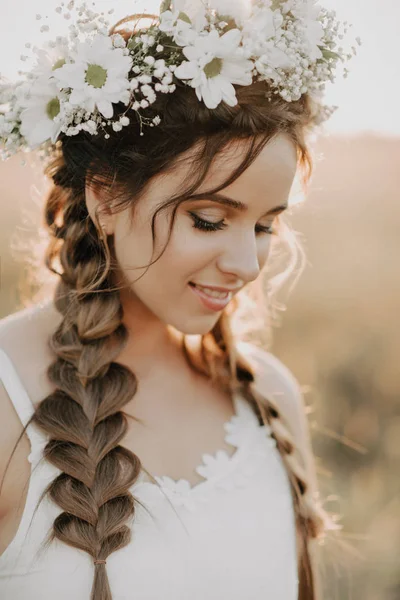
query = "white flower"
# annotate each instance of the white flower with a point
(263, 25)
(239, 10)
(305, 8)
(214, 65)
(50, 58)
(98, 77)
(40, 109)
(185, 21)
(6, 126)
(314, 38)
(118, 40)
(261, 34)
(180, 30)
(308, 12)
(90, 126)
(273, 58)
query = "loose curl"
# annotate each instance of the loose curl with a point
(83, 417)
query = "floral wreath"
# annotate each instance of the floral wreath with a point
(209, 46)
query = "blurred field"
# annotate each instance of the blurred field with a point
(340, 336)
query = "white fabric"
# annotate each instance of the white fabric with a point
(230, 537)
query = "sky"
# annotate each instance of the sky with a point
(367, 99)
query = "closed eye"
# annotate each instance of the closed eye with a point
(203, 225)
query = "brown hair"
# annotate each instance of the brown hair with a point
(84, 416)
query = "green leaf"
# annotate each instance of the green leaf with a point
(329, 54)
(184, 17)
(133, 44)
(165, 5)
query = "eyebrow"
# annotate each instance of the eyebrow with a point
(222, 199)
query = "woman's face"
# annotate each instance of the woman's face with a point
(212, 244)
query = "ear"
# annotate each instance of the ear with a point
(99, 208)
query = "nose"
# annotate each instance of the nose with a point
(241, 258)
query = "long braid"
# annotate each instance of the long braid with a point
(91, 389)
(311, 519)
(83, 415)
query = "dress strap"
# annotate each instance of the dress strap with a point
(19, 397)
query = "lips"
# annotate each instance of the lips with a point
(209, 299)
(214, 292)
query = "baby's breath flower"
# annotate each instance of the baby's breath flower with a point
(78, 79)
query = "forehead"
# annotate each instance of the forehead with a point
(272, 171)
(275, 165)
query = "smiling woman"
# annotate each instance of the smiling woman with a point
(136, 367)
(230, 256)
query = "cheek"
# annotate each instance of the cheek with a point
(265, 247)
(187, 252)
(133, 250)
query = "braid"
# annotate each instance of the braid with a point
(311, 519)
(83, 415)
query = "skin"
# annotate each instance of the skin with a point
(160, 305)
(184, 411)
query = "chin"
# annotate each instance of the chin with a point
(196, 326)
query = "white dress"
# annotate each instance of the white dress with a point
(229, 537)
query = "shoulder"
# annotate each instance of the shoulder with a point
(274, 380)
(23, 349)
(24, 337)
(31, 316)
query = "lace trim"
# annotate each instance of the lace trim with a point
(221, 471)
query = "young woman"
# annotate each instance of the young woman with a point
(147, 450)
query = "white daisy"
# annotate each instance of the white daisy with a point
(98, 77)
(50, 58)
(213, 65)
(40, 109)
(184, 22)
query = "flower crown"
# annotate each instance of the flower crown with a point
(209, 46)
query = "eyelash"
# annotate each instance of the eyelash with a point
(207, 226)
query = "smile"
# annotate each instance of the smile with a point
(211, 299)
